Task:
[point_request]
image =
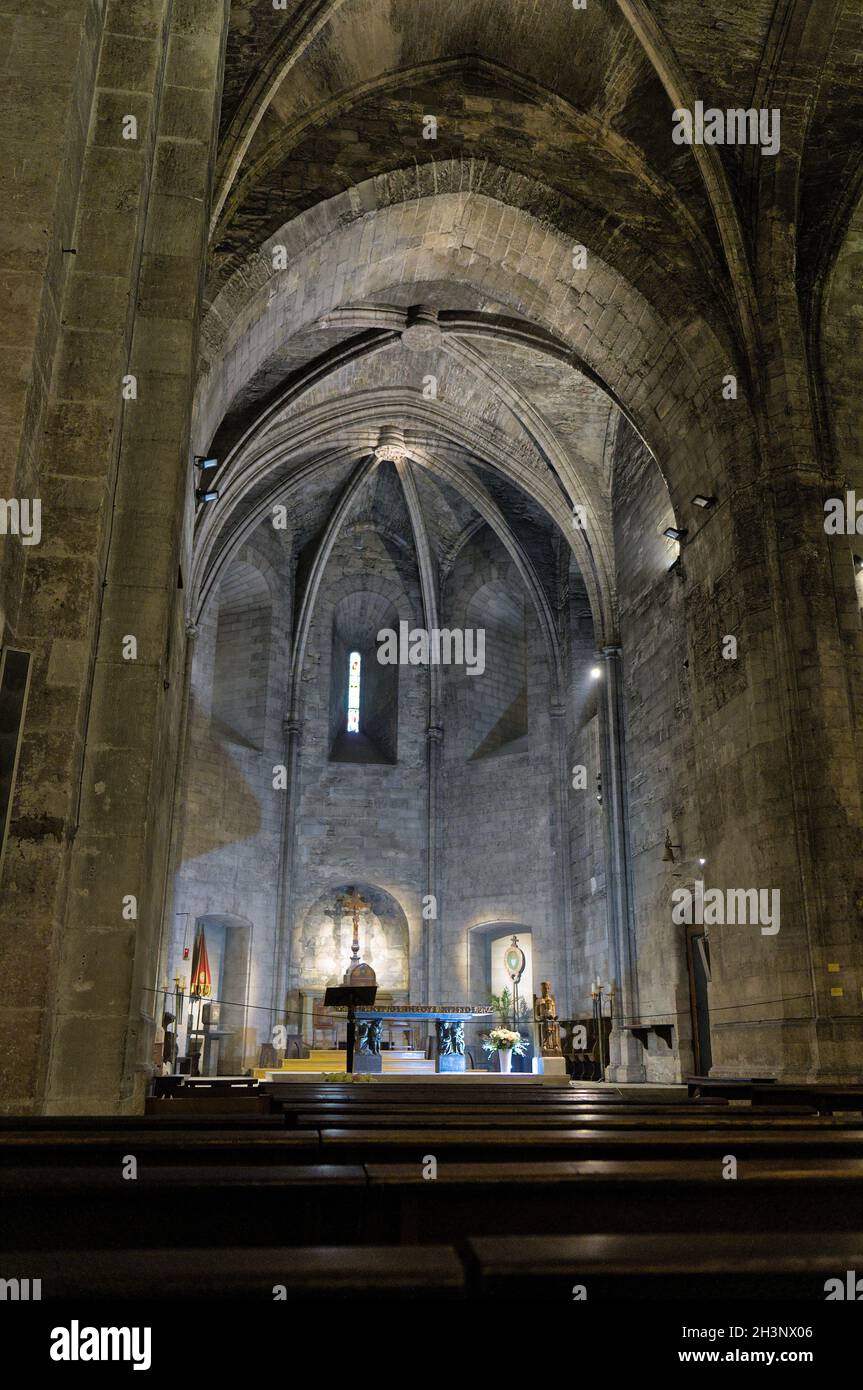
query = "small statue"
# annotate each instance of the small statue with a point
(169, 1043)
(444, 1039)
(545, 1013)
(363, 1037)
(457, 1035)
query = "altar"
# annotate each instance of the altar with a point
(449, 1030)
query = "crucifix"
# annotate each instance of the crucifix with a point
(356, 971)
(354, 904)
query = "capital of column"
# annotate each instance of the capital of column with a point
(557, 709)
(291, 725)
(434, 733)
(192, 630)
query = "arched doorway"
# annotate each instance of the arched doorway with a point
(229, 950)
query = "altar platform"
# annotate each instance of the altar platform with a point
(402, 1061)
(454, 1078)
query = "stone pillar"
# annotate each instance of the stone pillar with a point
(564, 925)
(432, 928)
(100, 743)
(625, 1052)
(292, 726)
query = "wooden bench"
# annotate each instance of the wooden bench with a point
(372, 1145)
(176, 1117)
(611, 1196)
(55, 1207)
(554, 1121)
(676, 1266)
(159, 1145)
(359, 1273)
(822, 1098)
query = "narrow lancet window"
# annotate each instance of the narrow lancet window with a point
(354, 693)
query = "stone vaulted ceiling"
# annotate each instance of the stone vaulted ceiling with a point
(553, 129)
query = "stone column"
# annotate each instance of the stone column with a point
(292, 726)
(625, 1052)
(432, 929)
(564, 926)
(100, 744)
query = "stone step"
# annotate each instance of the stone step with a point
(408, 1065)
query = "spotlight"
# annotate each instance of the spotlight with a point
(699, 500)
(702, 862)
(202, 462)
(206, 495)
(674, 533)
(595, 672)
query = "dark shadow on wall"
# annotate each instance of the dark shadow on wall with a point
(221, 806)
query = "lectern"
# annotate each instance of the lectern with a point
(350, 997)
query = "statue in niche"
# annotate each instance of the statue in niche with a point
(545, 1013)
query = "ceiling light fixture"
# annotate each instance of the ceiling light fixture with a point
(700, 500)
(674, 533)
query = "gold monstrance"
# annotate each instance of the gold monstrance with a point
(357, 973)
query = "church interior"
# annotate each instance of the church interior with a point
(431, 649)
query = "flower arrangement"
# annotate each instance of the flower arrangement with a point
(504, 1040)
(346, 1076)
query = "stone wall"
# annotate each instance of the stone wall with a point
(232, 815)
(497, 846)
(359, 822)
(659, 736)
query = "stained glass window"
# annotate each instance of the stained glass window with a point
(354, 693)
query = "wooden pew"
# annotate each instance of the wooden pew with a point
(176, 1117)
(359, 1273)
(820, 1097)
(677, 1266)
(375, 1145)
(611, 1196)
(556, 1120)
(163, 1145)
(232, 1205)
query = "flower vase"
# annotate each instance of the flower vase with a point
(505, 1056)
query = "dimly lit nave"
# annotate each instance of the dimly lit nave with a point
(431, 657)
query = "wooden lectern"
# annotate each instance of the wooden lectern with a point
(351, 997)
